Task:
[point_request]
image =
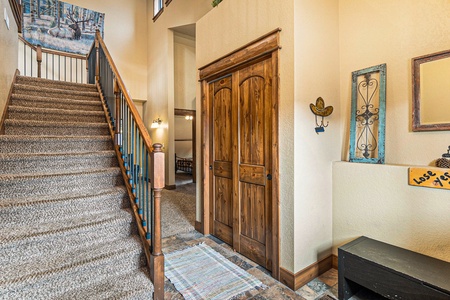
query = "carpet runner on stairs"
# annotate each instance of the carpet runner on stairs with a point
(66, 229)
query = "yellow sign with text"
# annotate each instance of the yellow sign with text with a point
(437, 178)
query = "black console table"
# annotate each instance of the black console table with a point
(390, 271)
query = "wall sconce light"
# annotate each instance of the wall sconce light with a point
(189, 118)
(156, 123)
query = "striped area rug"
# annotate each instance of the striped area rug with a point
(199, 272)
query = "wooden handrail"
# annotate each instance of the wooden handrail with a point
(134, 112)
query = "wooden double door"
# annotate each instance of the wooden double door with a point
(241, 160)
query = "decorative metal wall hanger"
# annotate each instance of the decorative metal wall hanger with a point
(368, 116)
(319, 110)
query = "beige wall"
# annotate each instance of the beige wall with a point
(376, 200)
(316, 75)
(126, 39)
(8, 53)
(161, 82)
(185, 74)
(233, 24)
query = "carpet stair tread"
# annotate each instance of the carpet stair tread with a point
(26, 127)
(56, 102)
(58, 173)
(132, 285)
(18, 185)
(57, 281)
(31, 200)
(30, 212)
(65, 259)
(54, 144)
(55, 91)
(54, 114)
(56, 228)
(62, 236)
(17, 163)
(56, 83)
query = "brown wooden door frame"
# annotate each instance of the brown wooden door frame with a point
(267, 45)
(190, 112)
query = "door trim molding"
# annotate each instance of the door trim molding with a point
(265, 46)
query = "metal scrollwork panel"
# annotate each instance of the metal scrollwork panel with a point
(368, 116)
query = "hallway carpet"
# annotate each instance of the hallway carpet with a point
(66, 230)
(177, 212)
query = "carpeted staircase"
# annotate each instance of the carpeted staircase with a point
(66, 231)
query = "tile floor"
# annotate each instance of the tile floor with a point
(322, 288)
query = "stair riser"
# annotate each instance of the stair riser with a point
(19, 129)
(59, 146)
(61, 210)
(52, 185)
(40, 92)
(14, 252)
(31, 165)
(56, 117)
(53, 284)
(56, 84)
(67, 105)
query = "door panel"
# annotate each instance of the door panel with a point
(222, 159)
(251, 118)
(254, 120)
(252, 174)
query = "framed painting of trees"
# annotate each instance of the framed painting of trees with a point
(60, 26)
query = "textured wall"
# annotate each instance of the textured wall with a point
(376, 200)
(316, 75)
(185, 77)
(126, 39)
(8, 52)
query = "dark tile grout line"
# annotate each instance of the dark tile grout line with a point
(316, 289)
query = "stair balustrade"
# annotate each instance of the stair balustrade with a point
(35, 61)
(141, 162)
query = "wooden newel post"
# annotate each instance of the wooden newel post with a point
(156, 256)
(117, 135)
(97, 58)
(39, 60)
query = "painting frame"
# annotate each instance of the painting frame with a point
(60, 26)
(368, 120)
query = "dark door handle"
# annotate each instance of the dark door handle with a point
(210, 167)
(269, 176)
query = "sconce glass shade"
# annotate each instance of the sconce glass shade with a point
(189, 118)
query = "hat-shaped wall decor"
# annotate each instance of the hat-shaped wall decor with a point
(319, 110)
